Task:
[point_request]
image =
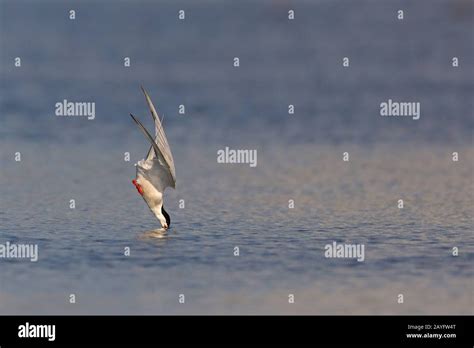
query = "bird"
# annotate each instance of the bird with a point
(156, 171)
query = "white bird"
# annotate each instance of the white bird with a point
(156, 171)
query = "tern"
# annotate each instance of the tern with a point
(156, 171)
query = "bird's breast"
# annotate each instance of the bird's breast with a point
(150, 193)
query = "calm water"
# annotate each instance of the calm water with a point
(299, 157)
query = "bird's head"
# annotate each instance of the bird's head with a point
(163, 216)
(159, 211)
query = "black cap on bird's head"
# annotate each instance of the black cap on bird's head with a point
(166, 215)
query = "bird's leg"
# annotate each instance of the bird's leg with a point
(138, 187)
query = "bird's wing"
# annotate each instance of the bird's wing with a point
(159, 171)
(160, 139)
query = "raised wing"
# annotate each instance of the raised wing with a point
(154, 146)
(156, 166)
(159, 164)
(160, 140)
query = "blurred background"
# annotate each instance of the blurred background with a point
(282, 62)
